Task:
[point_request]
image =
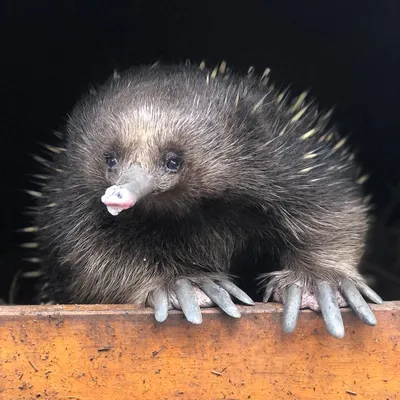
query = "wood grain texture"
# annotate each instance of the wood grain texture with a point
(120, 352)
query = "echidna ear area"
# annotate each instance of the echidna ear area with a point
(298, 107)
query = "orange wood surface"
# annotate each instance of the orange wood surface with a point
(120, 352)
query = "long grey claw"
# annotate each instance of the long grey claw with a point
(232, 289)
(188, 301)
(292, 308)
(220, 297)
(369, 293)
(330, 310)
(269, 289)
(160, 299)
(357, 302)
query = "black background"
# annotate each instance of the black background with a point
(347, 52)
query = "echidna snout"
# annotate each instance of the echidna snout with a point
(137, 184)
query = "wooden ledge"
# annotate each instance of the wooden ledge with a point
(120, 352)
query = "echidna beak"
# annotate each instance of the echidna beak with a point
(133, 185)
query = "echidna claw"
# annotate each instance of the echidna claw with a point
(330, 310)
(357, 302)
(269, 289)
(233, 290)
(186, 296)
(160, 298)
(220, 297)
(369, 293)
(292, 308)
(328, 298)
(190, 296)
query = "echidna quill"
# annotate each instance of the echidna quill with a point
(167, 174)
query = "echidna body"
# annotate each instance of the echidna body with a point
(168, 174)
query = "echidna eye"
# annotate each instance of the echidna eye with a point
(172, 163)
(111, 161)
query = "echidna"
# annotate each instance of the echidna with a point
(196, 167)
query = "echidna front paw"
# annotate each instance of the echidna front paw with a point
(323, 296)
(190, 295)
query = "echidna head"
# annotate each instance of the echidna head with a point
(160, 143)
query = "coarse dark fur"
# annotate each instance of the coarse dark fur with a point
(260, 174)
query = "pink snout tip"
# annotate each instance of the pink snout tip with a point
(118, 198)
